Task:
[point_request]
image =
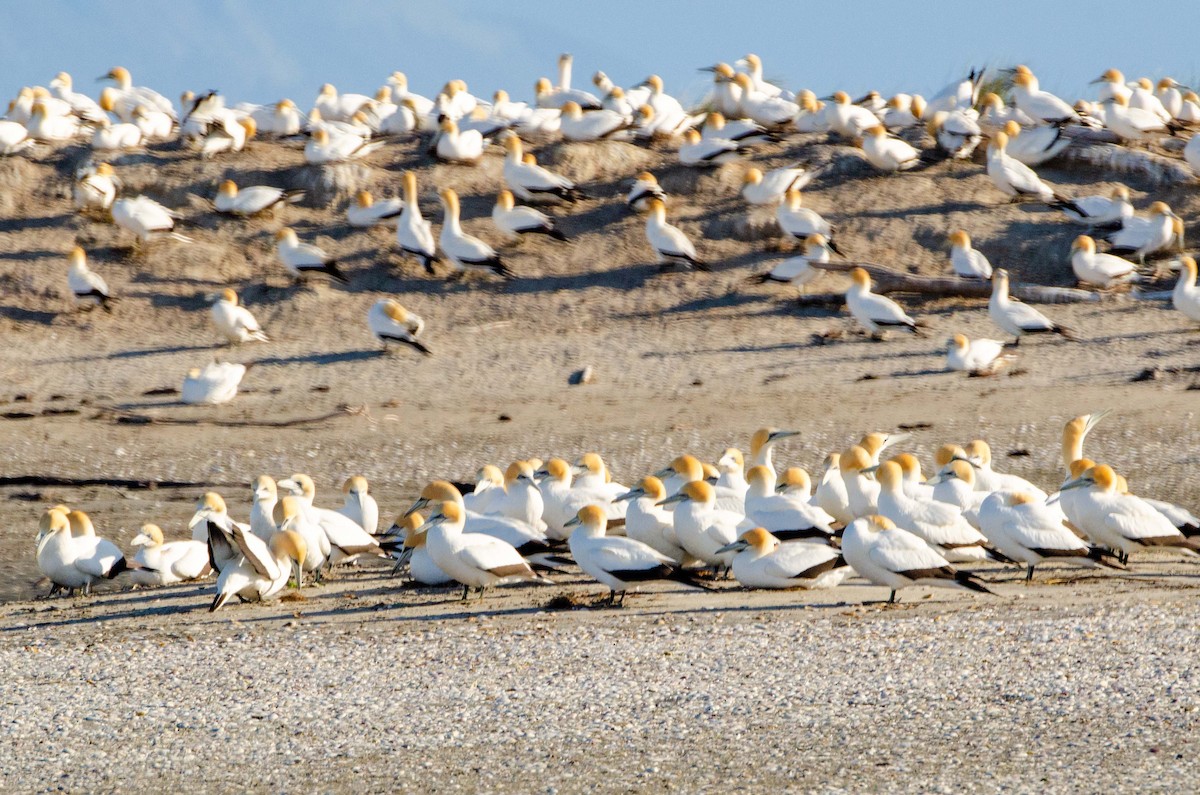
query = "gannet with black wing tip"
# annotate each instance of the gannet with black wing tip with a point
(515, 222)
(1018, 318)
(761, 561)
(876, 313)
(89, 288)
(301, 259)
(1022, 527)
(413, 232)
(366, 211)
(1099, 269)
(256, 199)
(70, 553)
(475, 560)
(255, 570)
(166, 563)
(464, 251)
(594, 125)
(391, 322)
(530, 181)
(147, 219)
(1102, 212)
(798, 270)
(670, 244)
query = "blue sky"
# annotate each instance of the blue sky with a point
(268, 49)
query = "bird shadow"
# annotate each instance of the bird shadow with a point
(338, 357)
(19, 314)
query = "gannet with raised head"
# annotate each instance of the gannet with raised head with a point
(474, 560)
(670, 244)
(463, 251)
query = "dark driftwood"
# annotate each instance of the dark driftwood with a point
(886, 280)
(131, 418)
(129, 484)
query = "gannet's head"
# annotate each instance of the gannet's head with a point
(504, 200)
(723, 71)
(1024, 79)
(647, 177)
(151, 535)
(753, 61)
(909, 466)
(77, 257)
(732, 460)
(287, 235)
(1187, 265)
(692, 136)
(854, 460)
(960, 238)
(328, 91)
(861, 278)
(880, 523)
(753, 176)
(1110, 76)
(356, 485)
(1160, 208)
(449, 198)
(437, 491)
(764, 437)
(655, 206)
(760, 476)
(980, 450)
(556, 469)
(947, 453)
(519, 471)
(448, 127)
(119, 74)
(760, 539)
(264, 488)
(1167, 83)
(1145, 84)
(878, 131)
(228, 188)
(108, 99)
(300, 483)
(591, 463)
(715, 120)
(1120, 99)
(1000, 278)
(992, 101)
(697, 491)
(395, 311)
(81, 524)
(542, 87)
(513, 144)
(962, 470)
(320, 136)
(743, 81)
(890, 476)
(1000, 141)
(795, 478)
(1120, 192)
(841, 98)
(1083, 243)
(572, 110)
(248, 124)
(592, 517)
(364, 199)
(958, 342)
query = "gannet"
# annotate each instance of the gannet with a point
(698, 151)
(914, 483)
(265, 494)
(769, 111)
(979, 455)
(1100, 212)
(130, 96)
(1040, 106)
(645, 187)
(595, 125)
(1035, 145)
(737, 130)
(731, 482)
(489, 488)
(82, 105)
(955, 484)
(798, 270)
(617, 102)
(458, 146)
(960, 94)
(199, 113)
(648, 522)
(977, 357)
(620, 564)
(531, 181)
(280, 119)
(515, 222)
(670, 244)
(227, 132)
(338, 107)
(520, 499)
(1018, 318)
(800, 222)
(159, 563)
(966, 261)
(503, 107)
(90, 289)
(326, 147)
(1023, 528)
(1186, 295)
(939, 524)
(995, 115)
(1014, 178)
(726, 94)
(365, 212)
(233, 200)
(345, 538)
(754, 69)
(593, 478)
(1142, 237)
(109, 137)
(360, 507)
(1169, 94)
(21, 108)
(215, 383)
(147, 219)
(252, 569)
(770, 188)
(862, 493)
(956, 133)
(682, 470)
(560, 500)
(529, 541)
(814, 114)
(71, 555)
(413, 233)
(1133, 123)
(876, 313)
(789, 518)
(847, 119)
(903, 111)
(301, 259)
(556, 96)
(235, 322)
(474, 560)
(47, 128)
(895, 558)
(1112, 84)
(887, 152)
(830, 493)
(463, 251)
(1143, 97)
(1190, 112)
(1099, 270)
(391, 322)
(700, 528)
(421, 567)
(763, 562)
(398, 83)
(14, 137)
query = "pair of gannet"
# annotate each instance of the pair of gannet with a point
(390, 322)
(799, 270)
(45, 127)
(736, 130)
(281, 119)
(227, 132)
(235, 322)
(254, 569)
(338, 107)
(463, 251)
(301, 259)
(89, 288)
(938, 524)
(340, 538)
(253, 200)
(595, 125)
(529, 541)
(557, 96)
(70, 553)
(160, 562)
(107, 136)
(458, 146)
(128, 96)
(1022, 527)
(215, 383)
(530, 181)
(81, 105)
(789, 516)
(1131, 123)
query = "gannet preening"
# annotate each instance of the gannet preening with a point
(1158, 231)
(648, 522)
(464, 251)
(413, 233)
(1135, 124)
(265, 495)
(1124, 523)
(1186, 295)
(1040, 106)
(800, 222)
(1036, 145)
(235, 322)
(301, 259)
(698, 151)
(531, 181)
(887, 152)
(253, 569)
(159, 563)
(1015, 179)
(71, 555)
(977, 357)
(335, 147)
(788, 517)
(763, 562)
(365, 211)
(902, 111)
(961, 94)
(1022, 527)
(147, 219)
(515, 222)
(1102, 212)
(645, 187)
(227, 132)
(895, 558)
(390, 322)
(1018, 318)
(670, 244)
(798, 270)
(474, 560)
(595, 125)
(214, 383)
(14, 137)
(256, 199)
(938, 524)
(1098, 269)
(966, 261)
(702, 529)
(876, 313)
(772, 187)
(90, 289)
(736, 130)
(130, 96)
(360, 507)
(956, 133)
(415, 552)
(620, 564)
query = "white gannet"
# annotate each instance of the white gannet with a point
(956, 133)
(464, 251)
(14, 137)
(887, 152)
(594, 125)
(763, 562)
(800, 222)
(966, 261)
(1143, 97)
(82, 105)
(1040, 106)
(391, 322)
(1102, 212)
(130, 96)
(994, 114)
(489, 488)
(1014, 178)
(876, 313)
(109, 137)
(670, 244)
(421, 567)
(682, 470)
(895, 558)
(726, 95)
(89, 288)
(281, 119)
(736, 130)
(227, 132)
(790, 518)
(1018, 318)
(520, 498)
(1112, 84)
(328, 147)
(754, 69)
(847, 119)
(265, 495)
(199, 113)
(1159, 230)
(1124, 523)
(529, 541)
(70, 553)
(1135, 124)
(762, 446)
(398, 83)
(503, 107)
(769, 111)
(365, 212)
(620, 564)
(560, 501)
(771, 187)
(955, 483)
(700, 528)
(1186, 295)
(338, 107)
(648, 522)
(814, 115)
(976, 357)
(459, 146)
(1169, 94)
(798, 270)
(235, 322)
(413, 233)
(731, 482)
(360, 507)
(698, 151)
(1035, 145)
(474, 560)
(211, 507)
(862, 492)
(979, 455)
(902, 111)
(301, 259)
(563, 93)
(216, 382)
(252, 569)
(515, 222)
(1190, 112)
(95, 187)
(645, 187)
(1023, 528)
(345, 538)
(830, 493)
(914, 483)
(159, 563)
(531, 181)
(44, 127)
(1098, 269)
(233, 200)
(147, 219)
(593, 478)
(939, 524)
